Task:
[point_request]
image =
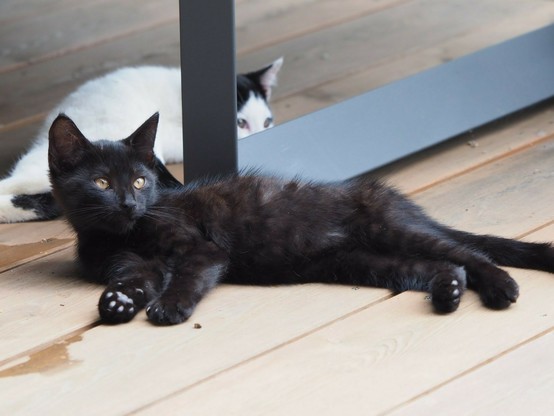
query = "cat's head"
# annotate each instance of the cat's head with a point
(103, 185)
(253, 95)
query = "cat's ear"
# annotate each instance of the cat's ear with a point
(267, 76)
(66, 144)
(142, 140)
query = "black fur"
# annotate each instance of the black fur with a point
(43, 205)
(250, 83)
(165, 248)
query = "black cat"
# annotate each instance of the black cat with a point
(165, 247)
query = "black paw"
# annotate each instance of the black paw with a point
(447, 289)
(164, 312)
(120, 303)
(499, 290)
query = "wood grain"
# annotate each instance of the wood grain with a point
(25, 42)
(407, 63)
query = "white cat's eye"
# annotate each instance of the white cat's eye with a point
(102, 183)
(139, 182)
(242, 123)
(268, 122)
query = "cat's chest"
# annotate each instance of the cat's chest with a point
(155, 235)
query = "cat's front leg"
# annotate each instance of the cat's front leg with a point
(132, 283)
(193, 276)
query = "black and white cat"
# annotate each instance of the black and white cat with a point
(113, 105)
(164, 247)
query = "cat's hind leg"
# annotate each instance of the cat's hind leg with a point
(447, 288)
(444, 281)
(496, 288)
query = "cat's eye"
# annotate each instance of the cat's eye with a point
(242, 123)
(268, 122)
(139, 182)
(102, 183)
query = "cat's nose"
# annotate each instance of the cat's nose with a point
(128, 205)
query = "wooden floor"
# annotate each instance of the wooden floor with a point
(302, 350)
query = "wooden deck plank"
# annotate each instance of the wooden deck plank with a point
(21, 243)
(523, 383)
(412, 62)
(257, 29)
(45, 36)
(14, 255)
(13, 10)
(34, 232)
(339, 50)
(228, 307)
(496, 198)
(252, 320)
(37, 95)
(43, 301)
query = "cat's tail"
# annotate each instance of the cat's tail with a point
(31, 207)
(508, 252)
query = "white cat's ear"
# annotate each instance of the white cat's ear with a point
(66, 144)
(267, 77)
(142, 140)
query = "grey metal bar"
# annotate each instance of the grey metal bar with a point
(383, 125)
(207, 33)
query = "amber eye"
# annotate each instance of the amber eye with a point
(102, 183)
(268, 122)
(242, 123)
(139, 182)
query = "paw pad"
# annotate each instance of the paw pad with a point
(115, 306)
(447, 290)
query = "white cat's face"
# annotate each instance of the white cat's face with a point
(254, 116)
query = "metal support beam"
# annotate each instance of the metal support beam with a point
(209, 87)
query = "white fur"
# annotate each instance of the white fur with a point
(255, 111)
(112, 107)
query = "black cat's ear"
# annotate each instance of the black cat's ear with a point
(142, 140)
(267, 76)
(66, 144)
